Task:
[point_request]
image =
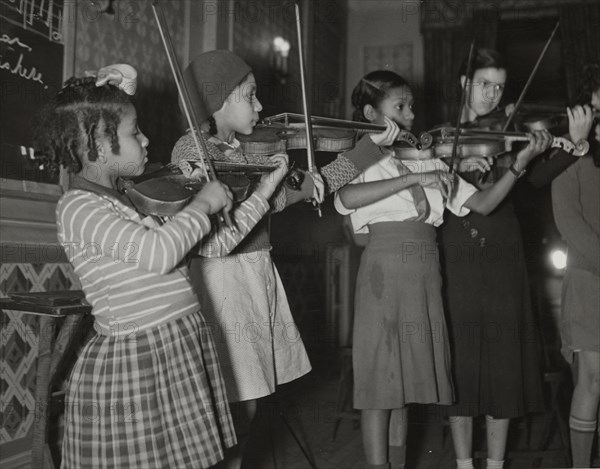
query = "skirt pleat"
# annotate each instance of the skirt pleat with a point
(244, 302)
(400, 345)
(152, 399)
(494, 336)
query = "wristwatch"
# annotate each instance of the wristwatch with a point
(516, 172)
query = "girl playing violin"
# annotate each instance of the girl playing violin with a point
(400, 346)
(146, 390)
(242, 293)
(575, 201)
(496, 369)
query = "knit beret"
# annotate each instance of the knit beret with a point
(211, 77)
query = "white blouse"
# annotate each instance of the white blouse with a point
(400, 206)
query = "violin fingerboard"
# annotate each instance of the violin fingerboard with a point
(260, 149)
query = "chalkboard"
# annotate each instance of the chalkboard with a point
(31, 72)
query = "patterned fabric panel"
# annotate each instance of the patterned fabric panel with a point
(19, 344)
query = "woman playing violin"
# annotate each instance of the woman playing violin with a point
(400, 344)
(495, 362)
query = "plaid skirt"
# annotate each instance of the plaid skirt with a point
(152, 400)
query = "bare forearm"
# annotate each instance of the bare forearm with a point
(485, 201)
(358, 195)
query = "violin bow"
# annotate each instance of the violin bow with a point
(310, 151)
(188, 109)
(460, 109)
(530, 79)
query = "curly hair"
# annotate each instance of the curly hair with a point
(372, 89)
(212, 126)
(589, 83)
(68, 126)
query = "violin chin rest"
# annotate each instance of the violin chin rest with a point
(294, 179)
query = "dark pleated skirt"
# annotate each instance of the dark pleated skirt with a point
(400, 344)
(494, 334)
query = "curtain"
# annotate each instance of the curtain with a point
(445, 47)
(580, 33)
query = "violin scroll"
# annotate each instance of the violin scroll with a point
(425, 139)
(422, 143)
(580, 148)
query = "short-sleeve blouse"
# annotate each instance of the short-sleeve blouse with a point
(400, 206)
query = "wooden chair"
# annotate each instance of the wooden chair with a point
(61, 328)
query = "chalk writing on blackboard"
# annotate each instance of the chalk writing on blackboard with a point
(18, 68)
(31, 72)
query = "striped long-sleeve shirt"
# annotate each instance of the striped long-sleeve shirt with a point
(130, 267)
(222, 239)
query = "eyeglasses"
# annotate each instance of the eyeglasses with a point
(490, 90)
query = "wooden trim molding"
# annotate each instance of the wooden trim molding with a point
(28, 219)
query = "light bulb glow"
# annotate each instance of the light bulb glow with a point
(281, 46)
(558, 258)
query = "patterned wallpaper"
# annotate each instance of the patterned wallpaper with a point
(255, 25)
(131, 36)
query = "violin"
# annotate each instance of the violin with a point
(474, 142)
(531, 117)
(287, 131)
(161, 193)
(554, 121)
(580, 148)
(443, 148)
(167, 190)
